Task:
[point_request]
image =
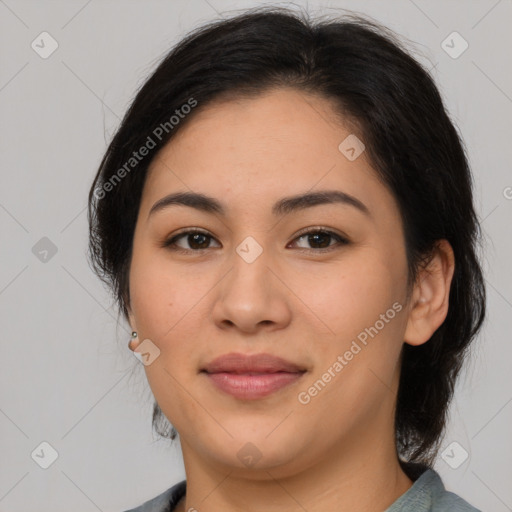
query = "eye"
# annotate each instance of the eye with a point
(320, 237)
(198, 240)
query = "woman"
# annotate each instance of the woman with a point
(285, 217)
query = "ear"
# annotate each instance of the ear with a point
(430, 297)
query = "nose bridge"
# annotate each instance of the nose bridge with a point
(250, 274)
(250, 295)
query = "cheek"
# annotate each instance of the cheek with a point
(163, 296)
(163, 300)
(359, 310)
(344, 298)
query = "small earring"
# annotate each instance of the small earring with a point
(134, 335)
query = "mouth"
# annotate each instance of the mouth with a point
(250, 377)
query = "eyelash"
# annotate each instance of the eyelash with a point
(171, 242)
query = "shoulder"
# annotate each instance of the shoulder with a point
(442, 499)
(428, 494)
(164, 502)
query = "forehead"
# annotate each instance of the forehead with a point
(276, 144)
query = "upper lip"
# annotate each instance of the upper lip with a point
(243, 363)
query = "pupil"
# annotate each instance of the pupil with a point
(199, 235)
(316, 236)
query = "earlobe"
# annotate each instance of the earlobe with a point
(133, 342)
(430, 298)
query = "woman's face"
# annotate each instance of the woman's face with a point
(254, 283)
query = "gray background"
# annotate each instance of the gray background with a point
(66, 371)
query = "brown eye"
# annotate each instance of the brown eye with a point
(319, 240)
(196, 241)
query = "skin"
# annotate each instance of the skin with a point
(336, 452)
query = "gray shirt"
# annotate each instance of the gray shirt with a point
(427, 494)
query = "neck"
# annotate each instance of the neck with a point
(363, 475)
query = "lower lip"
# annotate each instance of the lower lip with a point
(251, 387)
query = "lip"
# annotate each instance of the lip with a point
(249, 377)
(247, 363)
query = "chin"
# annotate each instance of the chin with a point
(255, 450)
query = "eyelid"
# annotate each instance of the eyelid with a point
(323, 229)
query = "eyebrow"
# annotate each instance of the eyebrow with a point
(284, 206)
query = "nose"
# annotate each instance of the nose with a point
(252, 297)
